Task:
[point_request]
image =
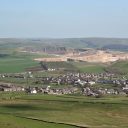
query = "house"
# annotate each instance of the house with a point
(91, 82)
(125, 88)
(33, 91)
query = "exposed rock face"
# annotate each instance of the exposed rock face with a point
(51, 59)
(47, 49)
(102, 56)
(98, 56)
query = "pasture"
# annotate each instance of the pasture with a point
(17, 62)
(41, 111)
(13, 61)
(90, 67)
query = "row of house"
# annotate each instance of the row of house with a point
(49, 90)
(7, 87)
(101, 91)
(84, 81)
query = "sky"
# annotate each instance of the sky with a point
(63, 18)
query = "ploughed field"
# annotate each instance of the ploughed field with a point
(49, 111)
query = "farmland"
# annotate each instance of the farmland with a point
(62, 111)
(90, 67)
(72, 110)
(120, 67)
(14, 62)
(17, 62)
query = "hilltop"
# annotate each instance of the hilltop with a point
(120, 44)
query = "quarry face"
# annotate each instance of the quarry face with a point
(90, 56)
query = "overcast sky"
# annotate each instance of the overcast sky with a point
(64, 18)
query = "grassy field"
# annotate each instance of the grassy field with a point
(20, 110)
(14, 62)
(90, 67)
(41, 111)
(119, 67)
(17, 62)
(15, 65)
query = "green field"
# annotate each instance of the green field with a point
(21, 110)
(90, 67)
(15, 65)
(18, 62)
(13, 62)
(41, 111)
(118, 67)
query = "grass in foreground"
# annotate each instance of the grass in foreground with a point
(106, 112)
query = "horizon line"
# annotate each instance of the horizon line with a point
(61, 37)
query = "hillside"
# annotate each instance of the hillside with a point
(119, 67)
(49, 111)
(102, 43)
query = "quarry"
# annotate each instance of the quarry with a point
(88, 56)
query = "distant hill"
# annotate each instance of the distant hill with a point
(118, 47)
(97, 43)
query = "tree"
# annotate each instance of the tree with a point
(43, 65)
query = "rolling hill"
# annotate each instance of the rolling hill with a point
(120, 44)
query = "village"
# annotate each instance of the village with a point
(88, 84)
